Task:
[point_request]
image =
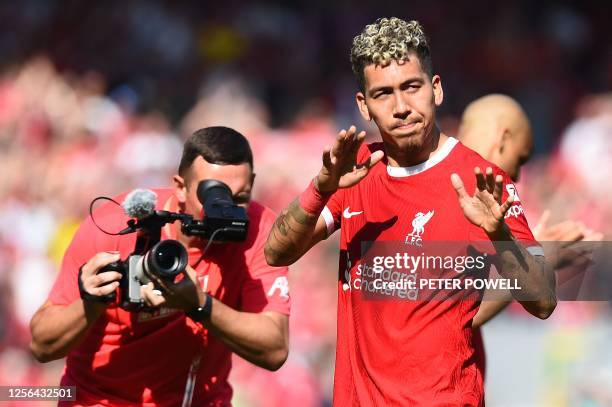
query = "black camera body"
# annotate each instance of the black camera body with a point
(223, 219)
(153, 260)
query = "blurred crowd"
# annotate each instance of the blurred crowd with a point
(96, 99)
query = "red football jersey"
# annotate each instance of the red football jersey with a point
(404, 351)
(163, 358)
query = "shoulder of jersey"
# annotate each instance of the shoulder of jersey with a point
(367, 149)
(467, 155)
(259, 211)
(261, 219)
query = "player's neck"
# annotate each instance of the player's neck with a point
(410, 157)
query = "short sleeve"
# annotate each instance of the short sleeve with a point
(516, 220)
(266, 288)
(65, 290)
(87, 241)
(332, 213)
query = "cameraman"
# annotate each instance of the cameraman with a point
(233, 299)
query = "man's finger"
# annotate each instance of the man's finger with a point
(326, 158)
(105, 289)
(355, 145)
(498, 189)
(364, 168)
(346, 138)
(543, 221)
(490, 180)
(373, 159)
(458, 185)
(506, 205)
(481, 184)
(574, 234)
(98, 261)
(351, 131)
(568, 231)
(105, 278)
(592, 236)
(191, 273)
(152, 297)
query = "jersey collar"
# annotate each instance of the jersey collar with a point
(399, 172)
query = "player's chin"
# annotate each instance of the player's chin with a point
(408, 139)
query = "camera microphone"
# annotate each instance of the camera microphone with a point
(140, 203)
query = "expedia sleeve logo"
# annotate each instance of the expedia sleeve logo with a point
(516, 209)
(512, 192)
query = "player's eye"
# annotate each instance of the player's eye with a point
(381, 93)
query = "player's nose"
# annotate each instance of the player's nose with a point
(400, 107)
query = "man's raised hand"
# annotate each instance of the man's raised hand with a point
(485, 207)
(340, 168)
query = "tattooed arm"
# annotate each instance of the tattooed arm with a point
(294, 233)
(297, 229)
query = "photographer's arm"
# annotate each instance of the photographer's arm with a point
(261, 338)
(56, 329)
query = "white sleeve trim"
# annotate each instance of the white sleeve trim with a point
(536, 250)
(329, 221)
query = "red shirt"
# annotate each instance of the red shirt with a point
(146, 359)
(405, 352)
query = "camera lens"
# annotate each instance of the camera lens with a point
(166, 259)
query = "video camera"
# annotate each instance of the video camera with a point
(152, 259)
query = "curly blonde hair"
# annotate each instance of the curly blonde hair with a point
(389, 39)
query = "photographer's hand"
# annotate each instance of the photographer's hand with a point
(185, 294)
(95, 287)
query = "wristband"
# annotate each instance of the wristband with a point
(312, 200)
(90, 297)
(202, 313)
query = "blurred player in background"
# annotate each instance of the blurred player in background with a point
(497, 128)
(229, 301)
(398, 351)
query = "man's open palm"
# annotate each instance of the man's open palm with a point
(485, 207)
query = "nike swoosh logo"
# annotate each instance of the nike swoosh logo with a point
(348, 214)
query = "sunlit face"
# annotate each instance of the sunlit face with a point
(238, 177)
(401, 99)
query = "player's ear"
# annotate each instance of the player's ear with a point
(436, 83)
(363, 107)
(180, 188)
(504, 140)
